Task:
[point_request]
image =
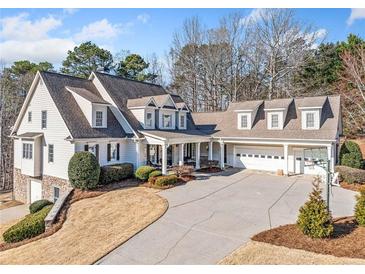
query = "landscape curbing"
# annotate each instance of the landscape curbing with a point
(51, 217)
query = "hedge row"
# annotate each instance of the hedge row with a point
(166, 180)
(351, 175)
(115, 173)
(143, 172)
(38, 205)
(31, 226)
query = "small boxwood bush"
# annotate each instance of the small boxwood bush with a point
(38, 205)
(166, 180)
(115, 173)
(83, 170)
(350, 155)
(351, 175)
(143, 172)
(31, 226)
(314, 219)
(360, 207)
(153, 176)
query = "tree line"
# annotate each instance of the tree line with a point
(272, 55)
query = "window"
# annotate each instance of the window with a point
(238, 155)
(99, 118)
(50, 153)
(149, 119)
(249, 155)
(44, 119)
(113, 152)
(262, 156)
(56, 194)
(244, 123)
(28, 151)
(269, 156)
(309, 120)
(256, 156)
(182, 120)
(29, 116)
(274, 120)
(276, 157)
(243, 155)
(167, 120)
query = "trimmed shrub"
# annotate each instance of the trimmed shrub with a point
(314, 219)
(84, 170)
(38, 205)
(350, 155)
(31, 226)
(143, 172)
(166, 180)
(360, 207)
(115, 173)
(351, 175)
(153, 176)
(155, 173)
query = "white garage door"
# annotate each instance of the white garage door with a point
(35, 191)
(261, 158)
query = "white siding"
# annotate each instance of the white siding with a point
(55, 133)
(127, 151)
(85, 106)
(140, 115)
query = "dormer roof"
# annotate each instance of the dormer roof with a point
(278, 104)
(311, 102)
(87, 95)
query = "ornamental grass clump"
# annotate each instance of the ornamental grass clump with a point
(360, 207)
(314, 218)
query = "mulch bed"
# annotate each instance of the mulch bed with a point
(76, 195)
(210, 169)
(180, 181)
(353, 187)
(348, 239)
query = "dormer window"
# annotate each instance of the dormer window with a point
(99, 118)
(182, 120)
(244, 120)
(167, 120)
(274, 121)
(309, 120)
(149, 121)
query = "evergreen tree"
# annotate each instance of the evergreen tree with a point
(314, 219)
(134, 67)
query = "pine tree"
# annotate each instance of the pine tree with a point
(314, 219)
(360, 207)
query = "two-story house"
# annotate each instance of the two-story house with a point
(121, 120)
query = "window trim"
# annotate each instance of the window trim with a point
(54, 192)
(49, 161)
(183, 117)
(99, 119)
(44, 119)
(27, 152)
(149, 122)
(277, 121)
(113, 145)
(163, 120)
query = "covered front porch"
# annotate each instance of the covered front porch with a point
(169, 149)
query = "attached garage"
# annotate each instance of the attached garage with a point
(35, 191)
(259, 157)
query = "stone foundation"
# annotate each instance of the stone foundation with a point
(22, 186)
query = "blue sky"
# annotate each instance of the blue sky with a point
(47, 34)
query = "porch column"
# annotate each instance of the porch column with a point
(197, 155)
(164, 159)
(210, 151)
(330, 155)
(221, 144)
(181, 154)
(285, 170)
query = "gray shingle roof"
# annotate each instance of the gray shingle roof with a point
(70, 111)
(122, 90)
(88, 95)
(225, 123)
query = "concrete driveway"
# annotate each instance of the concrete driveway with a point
(209, 218)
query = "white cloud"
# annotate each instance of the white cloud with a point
(70, 11)
(355, 15)
(20, 28)
(254, 16)
(22, 38)
(102, 29)
(144, 18)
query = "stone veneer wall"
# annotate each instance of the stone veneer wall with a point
(21, 186)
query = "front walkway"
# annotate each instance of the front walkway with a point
(209, 218)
